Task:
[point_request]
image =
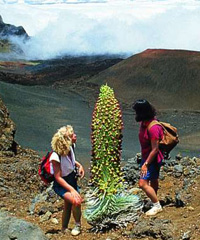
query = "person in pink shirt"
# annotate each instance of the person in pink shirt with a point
(151, 155)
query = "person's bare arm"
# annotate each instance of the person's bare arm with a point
(80, 169)
(151, 157)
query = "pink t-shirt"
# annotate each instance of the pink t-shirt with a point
(145, 137)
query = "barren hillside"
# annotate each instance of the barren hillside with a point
(170, 79)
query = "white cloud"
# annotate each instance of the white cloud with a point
(124, 27)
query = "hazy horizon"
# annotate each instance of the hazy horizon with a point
(103, 27)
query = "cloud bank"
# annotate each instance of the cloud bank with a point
(114, 27)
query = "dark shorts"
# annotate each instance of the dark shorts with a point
(70, 179)
(153, 171)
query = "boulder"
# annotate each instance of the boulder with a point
(155, 228)
(14, 228)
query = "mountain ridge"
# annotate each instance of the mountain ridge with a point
(165, 77)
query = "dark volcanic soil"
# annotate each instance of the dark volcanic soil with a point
(38, 111)
(71, 70)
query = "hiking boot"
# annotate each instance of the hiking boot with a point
(154, 210)
(76, 230)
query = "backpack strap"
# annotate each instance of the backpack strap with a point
(73, 146)
(58, 155)
(152, 123)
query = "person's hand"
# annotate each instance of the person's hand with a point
(81, 171)
(77, 200)
(144, 169)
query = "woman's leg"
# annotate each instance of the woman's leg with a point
(154, 184)
(68, 200)
(151, 193)
(77, 217)
(66, 214)
(76, 210)
(148, 189)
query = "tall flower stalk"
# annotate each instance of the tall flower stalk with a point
(106, 140)
(107, 196)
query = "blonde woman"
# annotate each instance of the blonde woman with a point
(65, 183)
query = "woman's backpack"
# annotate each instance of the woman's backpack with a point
(45, 169)
(170, 136)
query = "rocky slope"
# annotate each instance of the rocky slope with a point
(24, 196)
(7, 32)
(18, 169)
(8, 145)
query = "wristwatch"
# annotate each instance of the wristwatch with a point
(146, 163)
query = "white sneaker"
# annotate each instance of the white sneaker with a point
(76, 230)
(154, 210)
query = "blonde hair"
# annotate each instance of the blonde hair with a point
(62, 141)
